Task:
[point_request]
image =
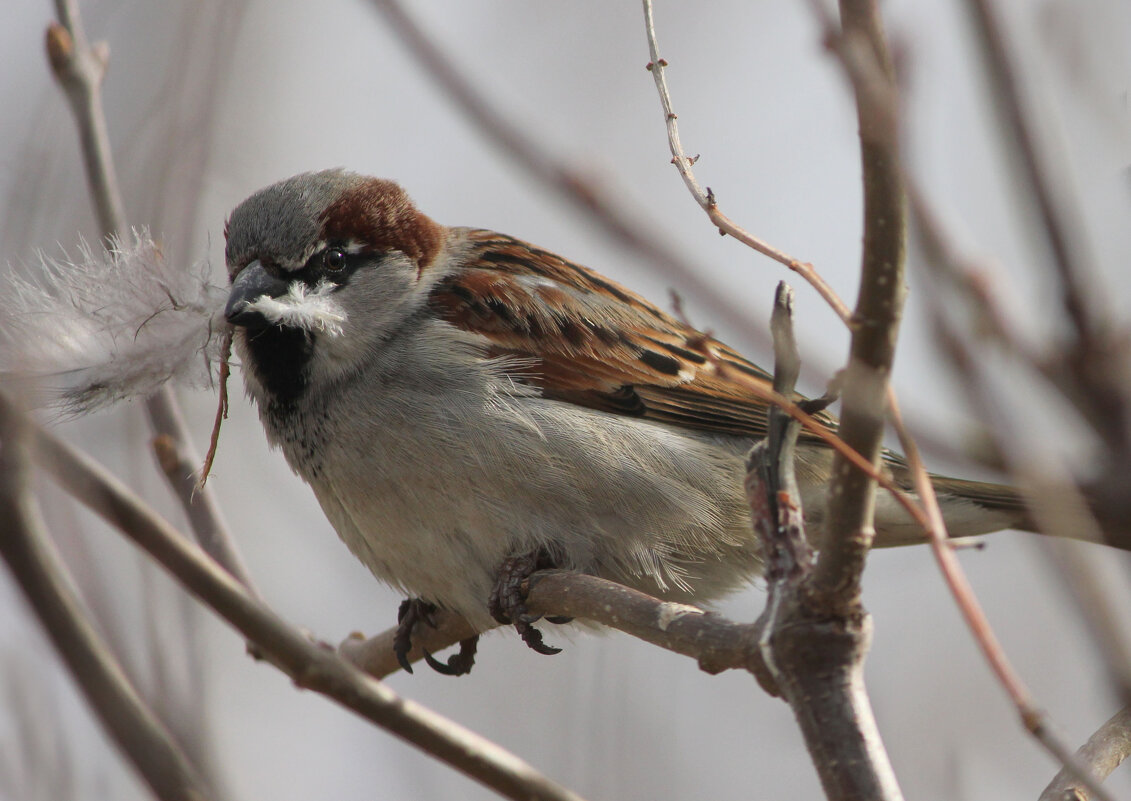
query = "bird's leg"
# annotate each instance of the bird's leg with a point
(414, 611)
(507, 603)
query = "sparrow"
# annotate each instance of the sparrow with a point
(460, 401)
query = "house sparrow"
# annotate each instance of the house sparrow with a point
(456, 398)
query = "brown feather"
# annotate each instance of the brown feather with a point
(584, 339)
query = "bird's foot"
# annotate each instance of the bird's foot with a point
(414, 611)
(507, 603)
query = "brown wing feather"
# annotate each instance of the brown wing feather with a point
(583, 339)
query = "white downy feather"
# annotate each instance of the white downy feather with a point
(114, 324)
(305, 308)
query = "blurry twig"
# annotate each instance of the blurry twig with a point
(1028, 467)
(1057, 212)
(970, 279)
(138, 733)
(1090, 579)
(308, 664)
(1021, 462)
(80, 69)
(1092, 368)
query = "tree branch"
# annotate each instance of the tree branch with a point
(716, 643)
(1019, 459)
(79, 68)
(814, 660)
(875, 324)
(139, 734)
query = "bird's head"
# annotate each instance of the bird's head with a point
(323, 267)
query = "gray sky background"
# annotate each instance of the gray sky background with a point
(206, 106)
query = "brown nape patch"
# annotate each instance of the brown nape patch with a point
(379, 214)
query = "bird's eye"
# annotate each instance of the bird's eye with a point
(334, 259)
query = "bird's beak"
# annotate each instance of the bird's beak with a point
(252, 283)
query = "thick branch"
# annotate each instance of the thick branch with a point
(849, 532)
(716, 643)
(815, 660)
(37, 568)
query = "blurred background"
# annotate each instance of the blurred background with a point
(208, 101)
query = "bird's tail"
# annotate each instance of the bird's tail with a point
(999, 498)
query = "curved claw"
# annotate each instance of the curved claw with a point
(409, 613)
(402, 644)
(507, 603)
(458, 664)
(533, 638)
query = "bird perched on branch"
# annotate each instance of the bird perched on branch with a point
(461, 401)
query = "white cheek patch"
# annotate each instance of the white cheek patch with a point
(312, 310)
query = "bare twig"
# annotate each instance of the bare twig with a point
(707, 200)
(875, 92)
(1032, 717)
(35, 565)
(716, 643)
(878, 134)
(1067, 516)
(376, 656)
(308, 664)
(1103, 753)
(603, 209)
(80, 69)
(956, 581)
(181, 473)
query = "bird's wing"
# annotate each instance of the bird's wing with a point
(584, 339)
